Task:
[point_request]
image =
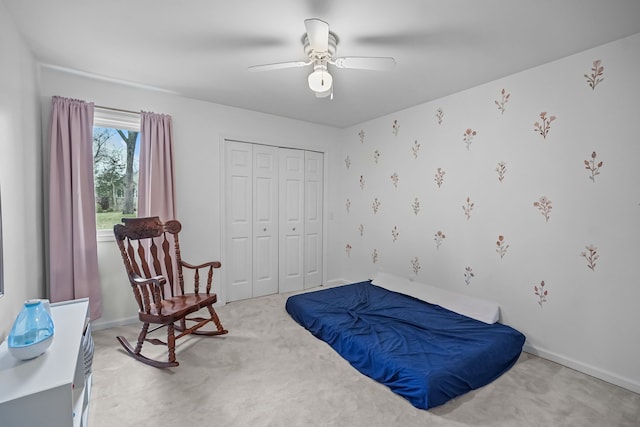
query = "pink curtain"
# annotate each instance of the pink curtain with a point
(156, 186)
(73, 253)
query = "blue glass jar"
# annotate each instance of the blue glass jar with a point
(32, 332)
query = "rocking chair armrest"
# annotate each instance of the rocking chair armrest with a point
(151, 297)
(157, 281)
(214, 264)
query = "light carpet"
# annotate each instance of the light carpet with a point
(269, 371)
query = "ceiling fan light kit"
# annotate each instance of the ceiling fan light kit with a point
(320, 46)
(320, 80)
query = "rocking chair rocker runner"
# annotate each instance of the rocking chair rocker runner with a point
(151, 253)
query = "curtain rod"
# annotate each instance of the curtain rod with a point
(117, 109)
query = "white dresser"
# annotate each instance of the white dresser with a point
(53, 389)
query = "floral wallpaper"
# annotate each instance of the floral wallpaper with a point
(595, 77)
(524, 191)
(543, 204)
(544, 125)
(503, 101)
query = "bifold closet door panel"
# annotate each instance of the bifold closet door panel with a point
(313, 197)
(291, 215)
(273, 220)
(265, 220)
(238, 264)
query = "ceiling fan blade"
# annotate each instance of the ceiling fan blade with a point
(317, 34)
(365, 62)
(279, 65)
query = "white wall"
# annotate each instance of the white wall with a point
(590, 318)
(199, 130)
(20, 175)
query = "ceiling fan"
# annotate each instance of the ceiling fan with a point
(320, 46)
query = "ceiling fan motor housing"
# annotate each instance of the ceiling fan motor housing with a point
(320, 57)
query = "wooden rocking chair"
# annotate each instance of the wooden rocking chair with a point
(151, 254)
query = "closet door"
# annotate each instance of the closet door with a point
(239, 220)
(313, 171)
(291, 214)
(265, 220)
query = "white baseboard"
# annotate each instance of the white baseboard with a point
(609, 377)
(98, 325)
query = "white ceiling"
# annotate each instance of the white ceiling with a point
(201, 48)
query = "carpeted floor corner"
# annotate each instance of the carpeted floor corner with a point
(269, 371)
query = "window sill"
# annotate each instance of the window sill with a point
(105, 236)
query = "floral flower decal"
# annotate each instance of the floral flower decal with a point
(593, 167)
(362, 182)
(395, 178)
(415, 206)
(376, 156)
(541, 292)
(596, 74)
(375, 205)
(468, 274)
(439, 177)
(502, 170)
(468, 137)
(374, 256)
(348, 249)
(361, 229)
(502, 247)
(544, 206)
(348, 205)
(544, 127)
(468, 208)
(394, 233)
(415, 149)
(361, 135)
(439, 238)
(439, 115)
(415, 264)
(395, 127)
(347, 162)
(591, 255)
(503, 101)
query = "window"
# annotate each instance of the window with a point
(116, 147)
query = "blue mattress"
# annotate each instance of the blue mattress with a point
(423, 352)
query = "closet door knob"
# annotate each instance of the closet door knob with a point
(264, 229)
(294, 229)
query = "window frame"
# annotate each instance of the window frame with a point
(1, 253)
(115, 119)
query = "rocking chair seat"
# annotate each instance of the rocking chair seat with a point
(176, 308)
